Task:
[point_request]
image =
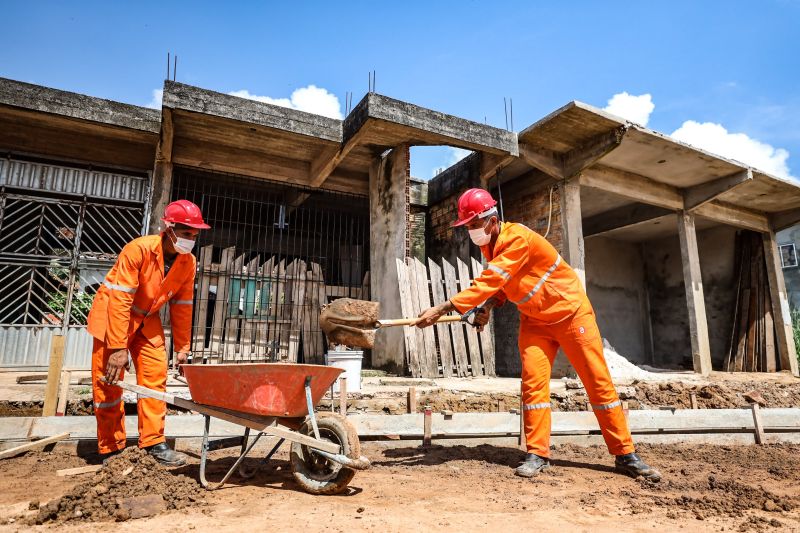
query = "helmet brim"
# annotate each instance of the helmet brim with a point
(188, 224)
(463, 221)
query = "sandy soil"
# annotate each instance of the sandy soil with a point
(709, 488)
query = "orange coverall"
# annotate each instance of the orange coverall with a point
(124, 314)
(554, 311)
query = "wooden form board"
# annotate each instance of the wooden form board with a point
(444, 349)
(487, 335)
(248, 309)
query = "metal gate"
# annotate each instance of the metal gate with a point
(274, 255)
(61, 229)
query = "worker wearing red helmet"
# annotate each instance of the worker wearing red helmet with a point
(150, 271)
(554, 312)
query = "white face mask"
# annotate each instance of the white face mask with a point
(479, 236)
(181, 245)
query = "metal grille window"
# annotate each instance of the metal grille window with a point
(275, 254)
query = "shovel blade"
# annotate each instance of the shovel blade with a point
(350, 322)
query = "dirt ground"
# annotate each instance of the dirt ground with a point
(709, 488)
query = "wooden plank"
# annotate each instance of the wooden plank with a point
(11, 452)
(741, 346)
(487, 335)
(262, 327)
(757, 425)
(421, 361)
(738, 256)
(409, 335)
(201, 298)
(221, 304)
(749, 364)
(297, 293)
(246, 341)
(53, 375)
(231, 316)
(343, 396)
(427, 425)
(411, 400)
(63, 392)
(781, 314)
(89, 469)
(442, 330)
(431, 361)
(456, 328)
(31, 378)
(769, 326)
(318, 299)
(310, 355)
(695, 302)
(474, 350)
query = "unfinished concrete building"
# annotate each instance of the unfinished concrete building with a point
(306, 208)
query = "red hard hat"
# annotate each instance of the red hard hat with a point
(186, 213)
(472, 203)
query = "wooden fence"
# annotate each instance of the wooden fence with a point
(446, 350)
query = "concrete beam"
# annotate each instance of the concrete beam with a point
(734, 216)
(633, 186)
(325, 163)
(622, 217)
(389, 227)
(570, 163)
(195, 99)
(781, 314)
(700, 195)
(695, 302)
(424, 126)
(53, 101)
(490, 165)
(784, 219)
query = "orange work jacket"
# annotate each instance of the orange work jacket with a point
(527, 270)
(134, 291)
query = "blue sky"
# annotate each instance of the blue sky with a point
(729, 68)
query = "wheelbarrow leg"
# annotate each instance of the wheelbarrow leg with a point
(204, 458)
(247, 474)
(310, 405)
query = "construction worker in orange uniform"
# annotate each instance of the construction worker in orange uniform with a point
(554, 312)
(150, 272)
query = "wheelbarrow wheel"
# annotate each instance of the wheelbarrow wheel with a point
(316, 474)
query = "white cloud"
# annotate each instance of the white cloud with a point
(716, 139)
(155, 101)
(456, 155)
(634, 108)
(311, 99)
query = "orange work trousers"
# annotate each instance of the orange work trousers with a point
(151, 371)
(580, 339)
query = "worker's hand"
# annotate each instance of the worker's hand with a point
(429, 316)
(482, 315)
(181, 359)
(117, 361)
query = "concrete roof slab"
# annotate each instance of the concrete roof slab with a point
(78, 106)
(393, 122)
(186, 97)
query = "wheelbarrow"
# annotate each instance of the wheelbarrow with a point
(274, 399)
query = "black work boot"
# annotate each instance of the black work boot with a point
(104, 457)
(632, 465)
(166, 456)
(532, 465)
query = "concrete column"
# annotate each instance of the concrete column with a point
(780, 305)
(572, 223)
(388, 227)
(695, 302)
(162, 173)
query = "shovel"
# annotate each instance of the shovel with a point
(354, 322)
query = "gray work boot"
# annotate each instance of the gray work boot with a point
(632, 465)
(532, 465)
(166, 456)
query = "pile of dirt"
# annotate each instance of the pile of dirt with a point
(130, 485)
(726, 395)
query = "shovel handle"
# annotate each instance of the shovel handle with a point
(389, 322)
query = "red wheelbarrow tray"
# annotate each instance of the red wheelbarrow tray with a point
(265, 389)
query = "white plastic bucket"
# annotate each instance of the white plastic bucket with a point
(350, 362)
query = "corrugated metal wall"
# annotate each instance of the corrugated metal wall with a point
(60, 230)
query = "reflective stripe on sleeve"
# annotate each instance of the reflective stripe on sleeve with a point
(139, 311)
(181, 302)
(121, 288)
(541, 281)
(535, 406)
(606, 406)
(106, 405)
(498, 270)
